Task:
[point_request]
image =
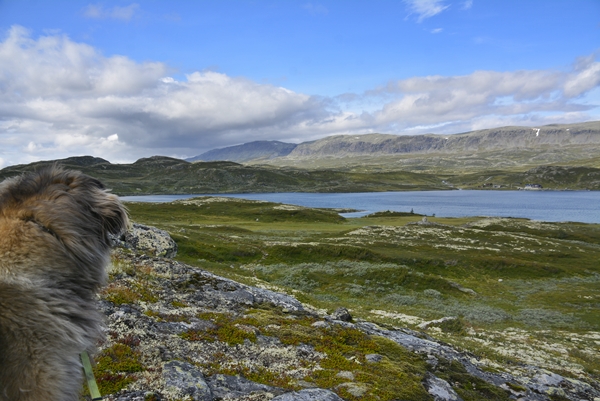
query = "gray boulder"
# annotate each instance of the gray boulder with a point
(310, 394)
(185, 380)
(342, 314)
(373, 358)
(227, 386)
(149, 240)
(440, 389)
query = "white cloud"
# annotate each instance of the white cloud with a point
(437, 30)
(436, 99)
(467, 4)
(55, 66)
(74, 96)
(425, 8)
(60, 98)
(120, 13)
(585, 77)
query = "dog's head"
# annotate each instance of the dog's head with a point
(69, 210)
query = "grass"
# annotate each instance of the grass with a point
(493, 274)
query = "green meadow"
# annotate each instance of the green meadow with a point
(522, 291)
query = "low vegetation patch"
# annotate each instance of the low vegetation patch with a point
(116, 367)
(493, 274)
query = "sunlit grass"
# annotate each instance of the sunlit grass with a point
(493, 274)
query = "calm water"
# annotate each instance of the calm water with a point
(582, 206)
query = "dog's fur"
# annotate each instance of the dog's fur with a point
(54, 248)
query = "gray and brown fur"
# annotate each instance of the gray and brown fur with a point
(54, 248)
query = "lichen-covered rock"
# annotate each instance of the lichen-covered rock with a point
(345, 374)
(425, 325)
(440, 389)
(234, 387)
(357, 390)
(342, 314)
(373, 358)
(184, 380)
(150, 240)
(134, 396)
(310, 394)
(555, 385)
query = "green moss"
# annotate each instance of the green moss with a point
(141, 289)
(179, 304)
(119, 358)
(226, 329)
(234, 334)
(134, 292)
(111, 383)
(263, 375)
(115, 368)
(120, 295)
(516, 387)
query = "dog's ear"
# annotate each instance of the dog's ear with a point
(90, 194)
(107, 207)
(112, 214)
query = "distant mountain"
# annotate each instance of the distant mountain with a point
(248, 151)
(542, 138)
(477, 141)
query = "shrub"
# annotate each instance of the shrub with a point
(430, 292)
(545, 317)
(400, 300)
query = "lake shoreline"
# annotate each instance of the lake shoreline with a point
(552, 206)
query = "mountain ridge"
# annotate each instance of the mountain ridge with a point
(338, 146)
(247, 151)
(566, 157)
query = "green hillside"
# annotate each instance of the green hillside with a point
(164, 175)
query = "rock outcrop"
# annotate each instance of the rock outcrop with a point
(178, 332)
(149, 240)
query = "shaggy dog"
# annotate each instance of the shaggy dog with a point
(54, 247)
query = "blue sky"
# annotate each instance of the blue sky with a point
(123, 80)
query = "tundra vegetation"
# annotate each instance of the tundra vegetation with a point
(412, 172)
(523, 292)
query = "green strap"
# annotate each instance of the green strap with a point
(89, 376)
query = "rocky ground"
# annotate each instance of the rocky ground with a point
(176, 332)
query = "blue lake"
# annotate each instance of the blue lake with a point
(581, 206)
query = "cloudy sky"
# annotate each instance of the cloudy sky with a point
(123, 80)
